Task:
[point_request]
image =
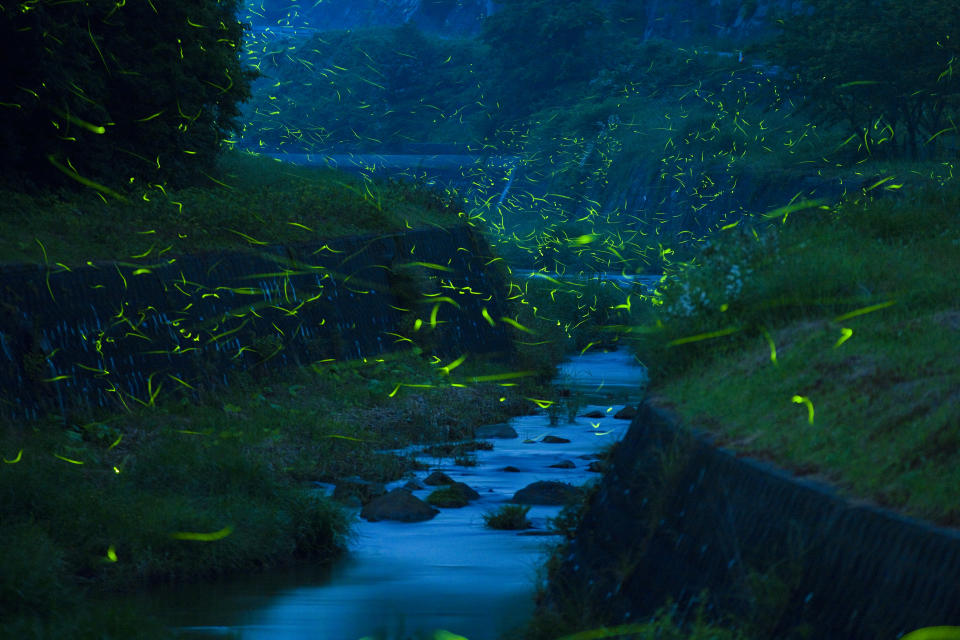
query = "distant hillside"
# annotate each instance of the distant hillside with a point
(447, 17)
(678, 20)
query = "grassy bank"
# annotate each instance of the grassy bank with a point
(828, 344)
(191, 489)
(250, 201)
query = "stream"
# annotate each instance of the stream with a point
(449, 574)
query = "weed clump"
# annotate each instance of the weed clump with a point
(509, 517)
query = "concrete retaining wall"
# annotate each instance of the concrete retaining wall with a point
(674, 516)
(115, 333)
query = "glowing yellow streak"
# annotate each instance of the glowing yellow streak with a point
(584, 350)
(202, 537)
(417, 324)
(805, 400)
(148, 118)
(176, 379)
(302, 226)
(865, 310)
(934, 633)
(703, 336)
(144, 254)
(878, 183)
(773, 347)
(433, 296)
(443, 634)
(502, 376)
(111, 554)
(857, 83)
(938, 133)
(338, 436)
(486, 316)
(428, 265)
(227, 333)
(433, 316)
(247, 238)
(102, 372)
(404, 384)
(845, 334)
(792, 208)
(623, 306)
(517, 325)
(16, 459)
(543, 404)
(453, 365)
(115, 442)
(67, 459)
(79, 122)
(73, 175)
(57, 378)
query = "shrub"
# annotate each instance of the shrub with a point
(508, 517)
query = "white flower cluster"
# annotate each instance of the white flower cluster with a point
(704, 288)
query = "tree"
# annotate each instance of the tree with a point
(538, 46)
(112, 91)
(888, 70)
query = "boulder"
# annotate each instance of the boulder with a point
(546, 493)
(596, 413)
(437, 478)
(510, 468)
(500, 430)
(414, 485)
(565, 464)
(352, 490)
(627, 413)
(454, 496)
(400, 505)
(554, 440)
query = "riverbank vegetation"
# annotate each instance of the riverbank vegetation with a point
(189, 489)
(247, 201)
(827, 343)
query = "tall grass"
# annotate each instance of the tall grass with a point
(828, 343)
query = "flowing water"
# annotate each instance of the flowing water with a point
(451, 573)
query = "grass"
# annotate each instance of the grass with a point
(828, 345)
(116, 501)
(251, 200)
(509, 517)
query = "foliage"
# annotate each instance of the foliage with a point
(115, 92)
(815, 349)
(884, 69)
(250, 196)
(235, 464)
(508, 517)
(525, 33)
(370, 87)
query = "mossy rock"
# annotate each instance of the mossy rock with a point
(453, 496)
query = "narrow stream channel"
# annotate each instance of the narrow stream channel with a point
(451, 573)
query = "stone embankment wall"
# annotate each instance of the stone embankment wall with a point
(110, 334)
(675, 515)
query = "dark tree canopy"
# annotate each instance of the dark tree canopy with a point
(113, 91)
(888, 70)
(537, 45)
